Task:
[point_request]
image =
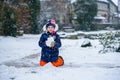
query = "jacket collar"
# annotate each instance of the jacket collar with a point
(53, 33)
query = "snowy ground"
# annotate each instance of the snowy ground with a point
(19, 60)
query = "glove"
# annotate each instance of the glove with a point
(50, 42)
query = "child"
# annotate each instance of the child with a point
(50, 44)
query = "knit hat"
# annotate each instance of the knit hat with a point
(50, 22)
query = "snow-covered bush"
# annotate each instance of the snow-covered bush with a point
(109, 41)
(86, 43)
(91, 36)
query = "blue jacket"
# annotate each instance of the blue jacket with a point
(49, 54)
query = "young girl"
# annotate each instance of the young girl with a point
(50, 44)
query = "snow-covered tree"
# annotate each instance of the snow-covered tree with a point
(85, 11)
(54, 9)
(26, 11)
(9, 22)
(110, 42)
(34, 6)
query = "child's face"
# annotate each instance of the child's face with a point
(50, 29)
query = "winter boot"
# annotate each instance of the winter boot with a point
(59, 62)
(42, 63)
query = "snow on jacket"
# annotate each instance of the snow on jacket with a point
(49, 54)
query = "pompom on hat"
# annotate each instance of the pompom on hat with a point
(50, 22)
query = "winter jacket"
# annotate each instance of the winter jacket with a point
(49, 54)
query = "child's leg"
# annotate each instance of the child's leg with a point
(42, 63)
(59, 62)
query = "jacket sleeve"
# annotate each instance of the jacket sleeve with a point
(42, 41)
(57, 42)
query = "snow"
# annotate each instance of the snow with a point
(65, 34)
(99, 17)
(72, 1)
(104, 0)
(117, 15)
(86, 42)
(14, 48)
(19, 60)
